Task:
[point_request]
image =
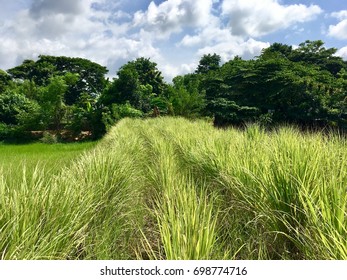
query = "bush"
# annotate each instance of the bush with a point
(16, 108)
(118, 112)
(49, 138)
(12, 133)
(5, 131)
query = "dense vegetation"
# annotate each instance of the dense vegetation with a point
(168, 188)
(65, 96)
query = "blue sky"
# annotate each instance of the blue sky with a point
(173, 33)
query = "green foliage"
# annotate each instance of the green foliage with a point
(164, 106)
(16, 109)
(122, 89)
(49, 138)
(310, 53)
(293, 86)
(314, 52)
(29, 89)
(26, 71)
(4, 81)
(148, 74)
(185, 96)
(6, 131)
(52, 102)
(138, 82)
(118, 112)
(65, 89)
(306, 86)
(91, 76)
(82, 115)
(209, 62)
(227, 112)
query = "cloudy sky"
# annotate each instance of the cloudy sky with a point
(173, 33)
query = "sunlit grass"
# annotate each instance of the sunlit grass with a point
(168, 188)
(50, 156)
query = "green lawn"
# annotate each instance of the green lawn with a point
(50, 156)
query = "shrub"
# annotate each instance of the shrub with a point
(49, 138)
(5, 131)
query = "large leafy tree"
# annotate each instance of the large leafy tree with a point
(184, 97)
(29, 70)
(228, 96)
(91, 76)
(276, 87)
(293, 92)
(16, 109)
(5, 80)
(314, 52)
(138, 82)
(310, 52)
(52, 102)
(279, 49)
(148, 74)
(208, 62)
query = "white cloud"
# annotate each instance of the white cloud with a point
(257, 18)
(229, 49)
(214, 39)
(208, 35)
(170, 71)
(341, 15)
(113, 32)
(339, 30)
(71, 29)
(102, 32)
(342, 53)
(173, 16)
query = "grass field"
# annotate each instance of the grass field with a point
(169, 188)
(51, 155)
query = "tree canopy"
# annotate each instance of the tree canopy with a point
(91, 76)
(305, 85)
(137, 82)
(209, 62)
(282, 85)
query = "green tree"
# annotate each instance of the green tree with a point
(26, 71)
(123, 88)
(91, 76)
(209, 62)
(52, 102)
(294, 92)
(138, 82)
(18, 110)
(148, 74)
(185, 97)
(279, 49)
(273, 88)
(309, 52)
(230, 95)
(314, 53)
(5, 80)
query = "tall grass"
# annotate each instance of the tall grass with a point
(184, 212)
(169, 188)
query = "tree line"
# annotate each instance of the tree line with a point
(306, 86)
